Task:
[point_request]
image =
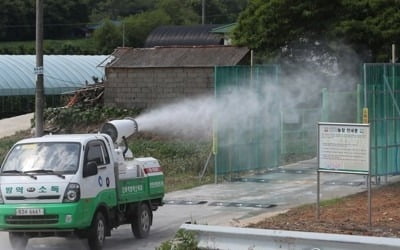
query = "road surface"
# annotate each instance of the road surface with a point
(227, 204)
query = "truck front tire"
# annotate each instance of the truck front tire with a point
(18, 241)
(142, 221)
(97, 232)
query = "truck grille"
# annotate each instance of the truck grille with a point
(42, 197)
(31, 220)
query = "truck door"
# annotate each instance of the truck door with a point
(99, 188)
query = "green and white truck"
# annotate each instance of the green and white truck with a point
(81, 185)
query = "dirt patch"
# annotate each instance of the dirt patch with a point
(347, 215)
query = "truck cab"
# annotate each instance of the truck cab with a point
(76, 185)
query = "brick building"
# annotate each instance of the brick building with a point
(145, 77)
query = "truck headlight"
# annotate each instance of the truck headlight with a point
(72, 193)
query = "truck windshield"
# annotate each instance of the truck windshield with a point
(60, 157)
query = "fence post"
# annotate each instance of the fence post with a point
(215, 129)
(325, 104)
(358, 96)
(374, 129)
(385, 120)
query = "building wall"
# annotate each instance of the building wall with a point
(147, 87)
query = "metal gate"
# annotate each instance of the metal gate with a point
(252, 142)
(381, 95)
(266, 139)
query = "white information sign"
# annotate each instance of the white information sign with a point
(344, 147)
(38, 70)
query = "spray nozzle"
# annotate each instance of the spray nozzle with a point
(120, 129)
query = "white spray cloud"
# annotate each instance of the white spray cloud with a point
(239, 107)
(235, 108)
(190, 117)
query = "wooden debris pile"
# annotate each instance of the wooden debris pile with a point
(88, 96)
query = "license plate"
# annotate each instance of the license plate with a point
(29, 211)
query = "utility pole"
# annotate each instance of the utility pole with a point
(203, 11)
(39, 100)
(393, 53)
(123, 34)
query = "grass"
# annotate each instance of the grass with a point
(7, 142)
(182, 161)
(331, 202)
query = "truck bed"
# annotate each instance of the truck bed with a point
(140, 188)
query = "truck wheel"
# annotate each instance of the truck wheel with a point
(142, 222)
(18, 241)
(97, 232)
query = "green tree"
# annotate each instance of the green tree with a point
(63, 18)
(107, 37)
(220, 11)
(180, 12)
(137, 27)
(370, 24)
(277, 26)
(273, 24)
(117, 9)
(17, 20)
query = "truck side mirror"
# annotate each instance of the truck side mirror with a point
(90, 169)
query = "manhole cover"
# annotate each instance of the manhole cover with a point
(292, 171)
(241, 204)
(250, 180)
(183, 202)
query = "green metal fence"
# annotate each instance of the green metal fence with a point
(342, 107)
(262, 141)
(381, 95)
(300, 137)
(252, 141)
(272, 135)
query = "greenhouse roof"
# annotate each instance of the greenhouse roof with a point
(183, 35)
(62, 73)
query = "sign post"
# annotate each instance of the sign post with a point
(344, 148)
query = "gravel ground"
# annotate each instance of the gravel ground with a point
(348, 215)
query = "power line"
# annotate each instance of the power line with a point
(47, 25)
(87, 23)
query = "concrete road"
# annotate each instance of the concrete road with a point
(237, 203)
(9, 126)
(231, 204)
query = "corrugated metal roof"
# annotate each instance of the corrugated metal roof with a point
(184, 35)
(224, 29)
(61, 73)
(195, 56)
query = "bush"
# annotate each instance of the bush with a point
(183, 240)
(68, 118)
(52, 47)
(107, 37)
(182, 161)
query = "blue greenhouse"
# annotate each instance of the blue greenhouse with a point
(62, 73)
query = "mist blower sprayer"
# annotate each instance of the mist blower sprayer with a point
(78, 184)
(119, 131)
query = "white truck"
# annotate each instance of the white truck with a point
(81, 185)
